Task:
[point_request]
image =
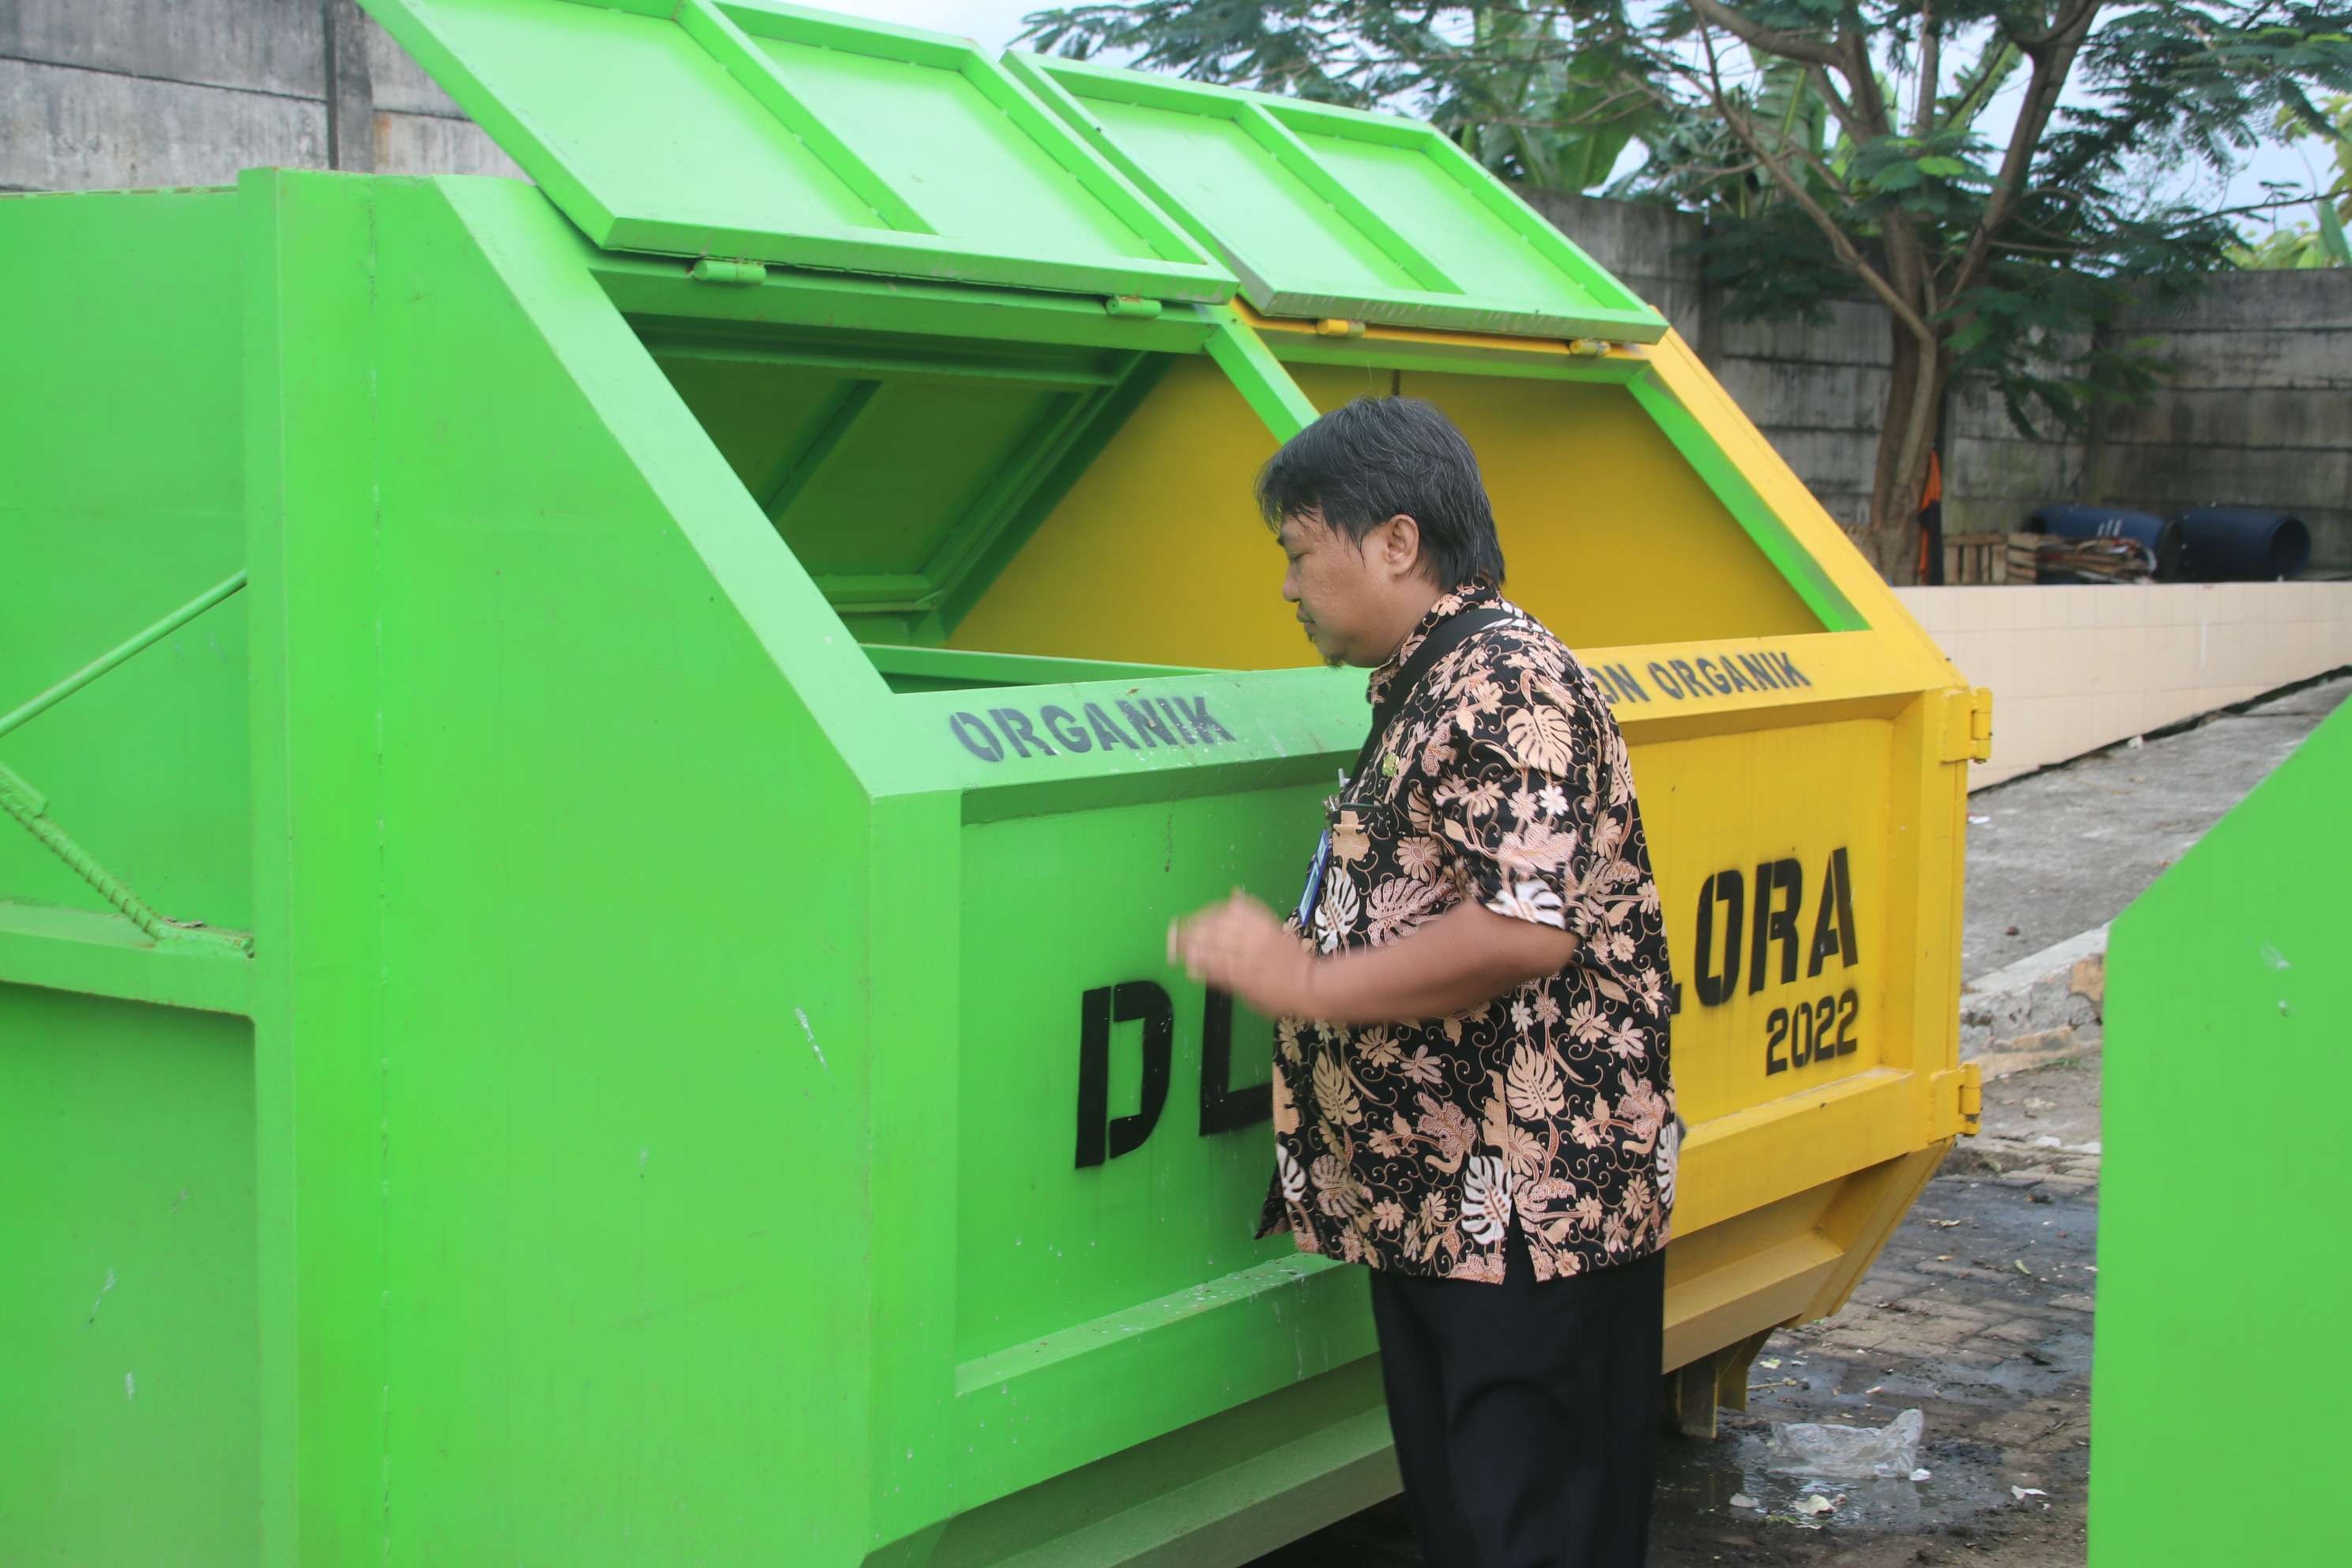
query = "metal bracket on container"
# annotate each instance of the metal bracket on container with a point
(739, 274)
(1968, 726)
(1132, 307)
(30, 808)
(20, 800)
(1959, 1103)
(1338, 327)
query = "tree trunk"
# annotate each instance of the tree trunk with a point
(1915, 394)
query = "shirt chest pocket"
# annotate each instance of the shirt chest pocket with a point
(1367, 839)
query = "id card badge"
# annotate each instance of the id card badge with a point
(1314, 884)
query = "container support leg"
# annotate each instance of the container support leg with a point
(1695, 1394)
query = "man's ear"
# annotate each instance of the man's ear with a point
(1400, 546)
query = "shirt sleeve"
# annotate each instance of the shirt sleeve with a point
(1524, 805)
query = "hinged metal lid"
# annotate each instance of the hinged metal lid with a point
(1330, 213)
(749, 131)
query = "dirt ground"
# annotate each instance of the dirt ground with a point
(1978, 1315)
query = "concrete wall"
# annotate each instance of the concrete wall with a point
(2259, 408)
(1816, 390)
(2074, 669)
(2258, 411)
(100, 93)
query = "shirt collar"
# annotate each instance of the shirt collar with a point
(1462, 597)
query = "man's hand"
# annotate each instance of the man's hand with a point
(1239, 946)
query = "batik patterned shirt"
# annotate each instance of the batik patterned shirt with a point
(1415, 1145)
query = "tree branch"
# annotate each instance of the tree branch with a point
(1787, 46)
(1862, 74)
(2052, 64)
(1820, 76)
(2073, 13)
(1931, 67)
(1841, 244)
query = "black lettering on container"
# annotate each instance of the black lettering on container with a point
(1176, 717)
(1147, 724)
(1210, 730)
(1631, 688)
(1775, 923)
(1714, 988)
(1107, 731)
(977, 737)
(1224, 1108)
(1015, 725)
(1130, 1002)
(1833, 928)
(1065, 727)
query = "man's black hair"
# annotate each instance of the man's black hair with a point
(1378, 458)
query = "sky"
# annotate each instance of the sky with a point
(995, 23)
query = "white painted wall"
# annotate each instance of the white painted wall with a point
(2075, 669)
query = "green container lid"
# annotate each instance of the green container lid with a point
(1326, 212)
(768, 134)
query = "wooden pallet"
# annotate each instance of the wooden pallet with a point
(1975, 560)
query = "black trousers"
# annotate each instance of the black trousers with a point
(1526, 1415)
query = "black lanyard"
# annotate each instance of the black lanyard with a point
(1444, 638)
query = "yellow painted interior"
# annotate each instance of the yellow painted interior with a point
(1610, 536)
(1157, 555)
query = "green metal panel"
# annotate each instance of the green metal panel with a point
(130, 1424)
(640, 984)
(539, 1221)
(818, 425)
(734, 128)
(119, 511)
(2223, 1282)
(953, 669)
(1325, 212)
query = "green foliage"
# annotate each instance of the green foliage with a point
(1548, 95)
(2321, 243)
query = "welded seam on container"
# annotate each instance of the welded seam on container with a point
(30, 808)
(25, 804)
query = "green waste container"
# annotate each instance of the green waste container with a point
(2232, 958)
(595, 772)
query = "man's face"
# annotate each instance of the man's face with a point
(1337, 588)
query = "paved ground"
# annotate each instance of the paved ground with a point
(2068, 848)
(1996, 1357)
(1979, 1313)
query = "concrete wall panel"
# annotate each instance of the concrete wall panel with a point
(64, 129)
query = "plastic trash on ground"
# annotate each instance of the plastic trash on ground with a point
(1847, 1453)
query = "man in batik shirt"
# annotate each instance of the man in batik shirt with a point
(1471, 1091)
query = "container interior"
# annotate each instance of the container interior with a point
(1002, 514)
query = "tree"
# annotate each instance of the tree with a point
(1981, 169)
(1548, 95)
(2322, 242)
